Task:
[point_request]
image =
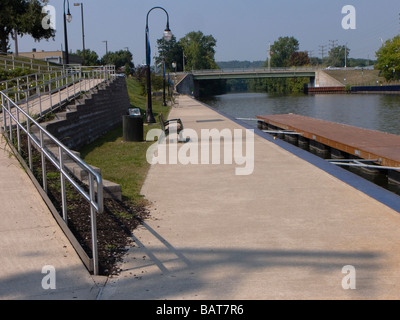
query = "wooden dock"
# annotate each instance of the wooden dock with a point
(362, 143)
(316, 90)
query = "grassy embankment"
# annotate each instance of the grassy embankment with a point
(125, 162)
(358, 77)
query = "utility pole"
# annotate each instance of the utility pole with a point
(334, 43)
(322, 51)
(16, 42)
(106, 42)
(269, 55)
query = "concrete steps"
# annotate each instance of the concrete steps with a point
(85, 119)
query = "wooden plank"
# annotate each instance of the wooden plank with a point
(364, 143)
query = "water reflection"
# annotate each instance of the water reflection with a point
(370, 111)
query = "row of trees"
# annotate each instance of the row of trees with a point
(194, 51)
(285, 53)
(121, 58)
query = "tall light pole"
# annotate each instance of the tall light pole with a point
(167, 37)
(83, 31)
(67, 17)
(106, 42)
(183, 57)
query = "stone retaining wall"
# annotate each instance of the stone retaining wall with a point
(92, 115)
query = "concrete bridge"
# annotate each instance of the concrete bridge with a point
(189, 83)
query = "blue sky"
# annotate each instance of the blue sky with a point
(242, 28)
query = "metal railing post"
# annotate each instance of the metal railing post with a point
(3, 128)
(18, 132)
(10, 122)
(43, 158)
(93, 225)
(28, 128)
(63, 191)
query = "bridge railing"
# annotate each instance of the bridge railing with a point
(255, 70)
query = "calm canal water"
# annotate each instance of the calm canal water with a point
(370, 111)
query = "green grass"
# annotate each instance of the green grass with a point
(125, 162)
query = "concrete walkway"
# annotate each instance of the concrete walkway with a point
(284, 232)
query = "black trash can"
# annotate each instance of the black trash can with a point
(132, 127)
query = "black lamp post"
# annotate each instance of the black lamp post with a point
(164, 102)
(106, 42)
(167, 37)
(67, 17)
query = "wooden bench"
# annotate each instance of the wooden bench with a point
(165, 124)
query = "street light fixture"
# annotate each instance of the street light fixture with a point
(167, 37)
(67, 17)
(83, 30)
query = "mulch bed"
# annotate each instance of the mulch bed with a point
(114, 225)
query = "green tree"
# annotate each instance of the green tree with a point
(282, 50)
(118, 59)
(298, 59)
(337, 56)
(21, 17)
(199, 51)
(171, 51)
(128, 70)
(91, 57)
(389, 59)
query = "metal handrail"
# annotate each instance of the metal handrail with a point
(12, 114)
(44, 89)
(30, 85)
(22, 64)
(50, 75)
